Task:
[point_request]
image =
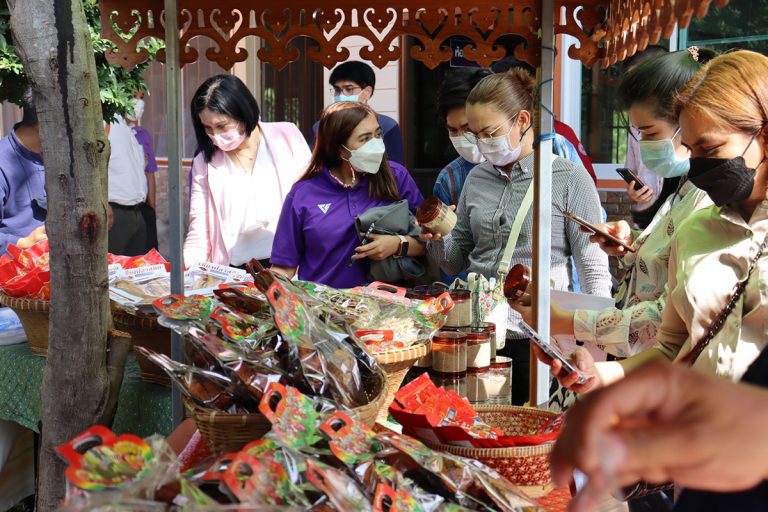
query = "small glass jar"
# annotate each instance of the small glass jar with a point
(449, 353)
(478, 349)
(436, 216)
(477, 384)
(499, 381)
(490, 328)
(461, 314)
(457, 383)
(517, 281)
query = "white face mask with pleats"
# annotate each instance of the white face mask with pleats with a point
(367, 158)
(467, 150)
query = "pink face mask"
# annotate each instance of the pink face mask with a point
(228, 141)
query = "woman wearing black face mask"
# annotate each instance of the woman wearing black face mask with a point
(716, 310)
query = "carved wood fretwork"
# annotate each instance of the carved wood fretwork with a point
(607, 31)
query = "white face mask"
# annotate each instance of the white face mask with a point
(367, 158)
(138, 109)
(468, 151)
(498, 150)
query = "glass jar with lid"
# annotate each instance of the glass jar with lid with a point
(461, 314)
(449, 353)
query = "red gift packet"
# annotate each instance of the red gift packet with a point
(436, 415)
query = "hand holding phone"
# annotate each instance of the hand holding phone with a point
(629, 176)
(597, 230)
(553, 352)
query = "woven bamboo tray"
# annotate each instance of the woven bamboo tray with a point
(34, 317)
(226, 433)
(524, 465)
(146, 332)
(396, 364)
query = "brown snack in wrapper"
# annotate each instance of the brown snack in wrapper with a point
(207, 389)
(331, 361)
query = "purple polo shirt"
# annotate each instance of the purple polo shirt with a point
(316, 231)
(145, 139)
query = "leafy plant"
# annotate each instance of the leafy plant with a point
(116, 84)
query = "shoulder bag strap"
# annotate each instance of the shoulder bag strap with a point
(514, 234)
(691, 357)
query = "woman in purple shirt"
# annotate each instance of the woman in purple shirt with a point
(347, 175)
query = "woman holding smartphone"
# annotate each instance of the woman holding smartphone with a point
(717, 310)
(647, 94)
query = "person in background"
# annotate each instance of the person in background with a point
(566, 143)
(23, 185)
(500, 117)
(145, 139)
(241, 175)
(127, 190)
(665, 423)
(356, 81)
(348, 175)
(646, 201)
(451, 108)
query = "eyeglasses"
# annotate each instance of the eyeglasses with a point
(473, 138)
(347, 89)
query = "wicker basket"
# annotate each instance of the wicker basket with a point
(524, 465)
(226, 433)
(146, 332)
(396, 364)
(34, 317)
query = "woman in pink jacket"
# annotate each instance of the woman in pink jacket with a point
(240, 176)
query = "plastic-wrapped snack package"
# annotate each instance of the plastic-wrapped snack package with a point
(178, 312)
(358, 447)
(205, 388)
(382, 320)
(295, 417)
(342, 491)
(107, 503)
(126, 465)
(242, 328)
(332, 362)
(470, 481)
(246, 299)
(245, 368)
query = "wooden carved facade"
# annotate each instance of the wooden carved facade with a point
(607, 31)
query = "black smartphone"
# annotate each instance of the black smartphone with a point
(552, 351)
(597, 230)
(629, 176)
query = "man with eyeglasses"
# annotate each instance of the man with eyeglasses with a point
(356, 81)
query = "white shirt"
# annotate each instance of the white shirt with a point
(127, 182)
(255, 205)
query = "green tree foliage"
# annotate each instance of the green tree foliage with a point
(116, 84)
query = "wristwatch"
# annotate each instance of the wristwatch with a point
(403, 249)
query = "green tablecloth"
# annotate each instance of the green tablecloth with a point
(144, 408)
